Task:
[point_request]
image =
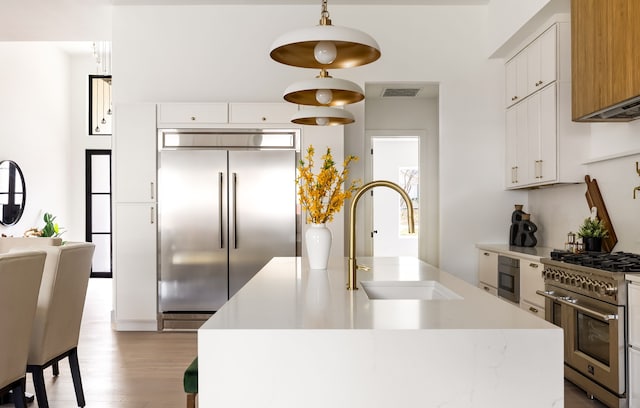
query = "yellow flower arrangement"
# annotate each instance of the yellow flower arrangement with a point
(321, 194)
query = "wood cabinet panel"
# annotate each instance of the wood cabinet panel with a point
(604, 52)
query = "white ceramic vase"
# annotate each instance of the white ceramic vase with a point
(318, 242)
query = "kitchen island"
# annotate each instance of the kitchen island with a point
(295, 337)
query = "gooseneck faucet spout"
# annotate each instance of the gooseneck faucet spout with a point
(352, 284)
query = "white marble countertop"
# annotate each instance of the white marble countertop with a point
(285, 294)
(530, 253)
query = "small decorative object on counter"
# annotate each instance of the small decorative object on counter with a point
(322, 195)
(592, 231)
(516, 217)
(50, 228)
(522, 229)
(570, 245)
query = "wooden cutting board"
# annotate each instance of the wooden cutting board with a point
(594, 199)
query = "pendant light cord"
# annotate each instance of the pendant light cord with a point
(324, 14)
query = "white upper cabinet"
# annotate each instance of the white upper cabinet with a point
(252, 113)
(541, 61)
(193, 115)
(517, 144)
(542, 145)
(516, 79)
(541, 160)
(135, 153)
(533, 68)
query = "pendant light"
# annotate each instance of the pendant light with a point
(325, 46)
(103, 121)
(324, 90)
(322, 116)
(97, 129)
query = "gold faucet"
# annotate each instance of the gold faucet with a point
(352, 284)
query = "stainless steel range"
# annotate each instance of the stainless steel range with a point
(586, 295)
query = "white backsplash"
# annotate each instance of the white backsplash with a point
(560, 209)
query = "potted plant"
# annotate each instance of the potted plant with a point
(592, 231)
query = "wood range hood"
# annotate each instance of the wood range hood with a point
(605, 60)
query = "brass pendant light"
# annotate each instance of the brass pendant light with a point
(322, 116)
(325, 46)
(324, 90)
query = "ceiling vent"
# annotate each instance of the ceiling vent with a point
(405, 92)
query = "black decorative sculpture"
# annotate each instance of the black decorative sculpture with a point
(522, 229)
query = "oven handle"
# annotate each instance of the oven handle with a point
(561, 300)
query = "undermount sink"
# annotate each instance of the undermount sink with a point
(420, 290)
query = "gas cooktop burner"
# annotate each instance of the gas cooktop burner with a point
(613, 262)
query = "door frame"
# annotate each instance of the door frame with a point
(88, 206)
(368, 172)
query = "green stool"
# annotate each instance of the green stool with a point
(191, 383)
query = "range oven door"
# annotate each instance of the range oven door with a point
(594, 336)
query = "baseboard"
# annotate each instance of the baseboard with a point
(135, 325)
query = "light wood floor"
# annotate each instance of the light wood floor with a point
(144, 369)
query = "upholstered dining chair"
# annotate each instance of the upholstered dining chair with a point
(20, 276)
(56, 327)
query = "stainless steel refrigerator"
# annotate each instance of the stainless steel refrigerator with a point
(226, 206)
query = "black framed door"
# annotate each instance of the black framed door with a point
(98, 210)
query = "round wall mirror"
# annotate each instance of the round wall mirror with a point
(12, 192)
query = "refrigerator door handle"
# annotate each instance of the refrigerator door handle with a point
(235, 211)
(220, 182)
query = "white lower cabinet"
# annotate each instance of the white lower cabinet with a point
(634, 378)
(488, 271)
(488, 289)
(531, 308)
(634, 345)
(135, 266)
(530, 281)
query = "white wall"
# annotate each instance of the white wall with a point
(507, 17)
(81, 65)
(561, 209)
(215, 53)
(35, 128)
(43, 115)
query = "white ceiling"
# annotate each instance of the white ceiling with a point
(274, 2)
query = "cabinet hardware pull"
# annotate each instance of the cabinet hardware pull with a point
(513, 98)
(533, 265)
(193, 118)
(151, 218)
(486, 288)
(533, 309)
(151, 190)
(602, 316)
(235, 211)
(264, 118)
(220, 182)
(486, 254)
